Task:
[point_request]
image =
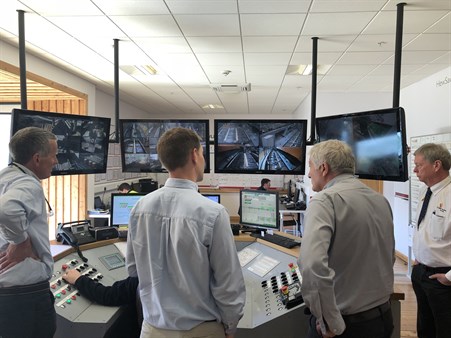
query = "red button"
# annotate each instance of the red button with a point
(290, 265)
(64, 267)
(74, 297)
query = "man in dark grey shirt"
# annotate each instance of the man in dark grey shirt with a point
(347, 251)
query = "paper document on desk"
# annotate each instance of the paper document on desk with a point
(246, 255)
(263, 265)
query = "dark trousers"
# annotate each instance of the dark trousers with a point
(379, 327)
(27, 314)
(434, 303)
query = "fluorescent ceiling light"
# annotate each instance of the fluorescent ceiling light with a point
(306, 70)
(212, 106)
(139, 70)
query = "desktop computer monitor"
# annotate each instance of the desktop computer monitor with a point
(259, 209)
(121, 205)
(214, 197)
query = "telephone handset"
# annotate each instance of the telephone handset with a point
(75, 233)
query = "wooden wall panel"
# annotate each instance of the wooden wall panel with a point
(66, 194)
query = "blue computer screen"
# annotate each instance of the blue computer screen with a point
(214, 197)
(121, 205)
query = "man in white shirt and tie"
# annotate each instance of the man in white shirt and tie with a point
(431, 274)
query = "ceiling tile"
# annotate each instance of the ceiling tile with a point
(441, 26)
(215, 44)
(327, 6)
(430, 42)
(378, 43)
(341, 70)
(417, 57)
(362, 58)
(414, 22)
(327, 24)
(271, 24)
(269, 44)
(218, 25)
(147, 25)
(202, 6)
(322, 58)
(266, 59)
(333, 43)
(218, 59)
(131, 7)
(271, 6)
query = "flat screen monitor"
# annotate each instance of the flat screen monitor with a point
(82, 140)
(378, 139)
(139, 140)
(121, 205)
(214, 197)
(260, 146)
(259, 209)
(98, 204)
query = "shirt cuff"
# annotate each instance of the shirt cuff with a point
(448, 275)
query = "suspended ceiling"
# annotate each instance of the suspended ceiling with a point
(192, 44)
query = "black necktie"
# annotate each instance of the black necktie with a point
(424, 207)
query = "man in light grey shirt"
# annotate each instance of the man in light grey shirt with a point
(181, 247)
(347, 252)
(26, 263)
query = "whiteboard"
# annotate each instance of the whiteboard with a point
(415, 184)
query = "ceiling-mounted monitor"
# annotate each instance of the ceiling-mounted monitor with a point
(82, 140)
(260, 146)
(139, 139)
(377, 137)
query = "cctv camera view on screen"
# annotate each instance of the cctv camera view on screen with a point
(270, 146)
(377, 139)
(139, 140)
(82, 140)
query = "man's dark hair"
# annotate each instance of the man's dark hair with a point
(124, 186)
(264, 181)
(175, 146)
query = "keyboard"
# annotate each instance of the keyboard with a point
(278, 239)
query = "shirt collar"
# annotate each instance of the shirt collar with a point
(337, 179)
(25, 170)
(440, 185)
(181, 183)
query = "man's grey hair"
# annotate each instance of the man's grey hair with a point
(337, 154)
(433, 152)
(29, 141)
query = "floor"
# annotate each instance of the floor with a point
(409, 304)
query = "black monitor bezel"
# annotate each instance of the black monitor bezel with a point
(216, 195)
(126, 168)
(17, 113)
(300, 171)
(403, 175)
(114, 194)
(259, 226)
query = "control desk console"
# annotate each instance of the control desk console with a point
(76, 315)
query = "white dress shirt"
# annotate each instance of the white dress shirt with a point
(432, 240)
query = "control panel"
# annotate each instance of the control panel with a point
(274, 306)
(76, 315)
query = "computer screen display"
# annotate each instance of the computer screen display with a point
(139, 139)
(214, 197)
(377, 138)
(82, 140)
(259, 209)
(260, 146)
(121, 205)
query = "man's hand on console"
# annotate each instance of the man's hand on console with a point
(16, 253)
(71, 276)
